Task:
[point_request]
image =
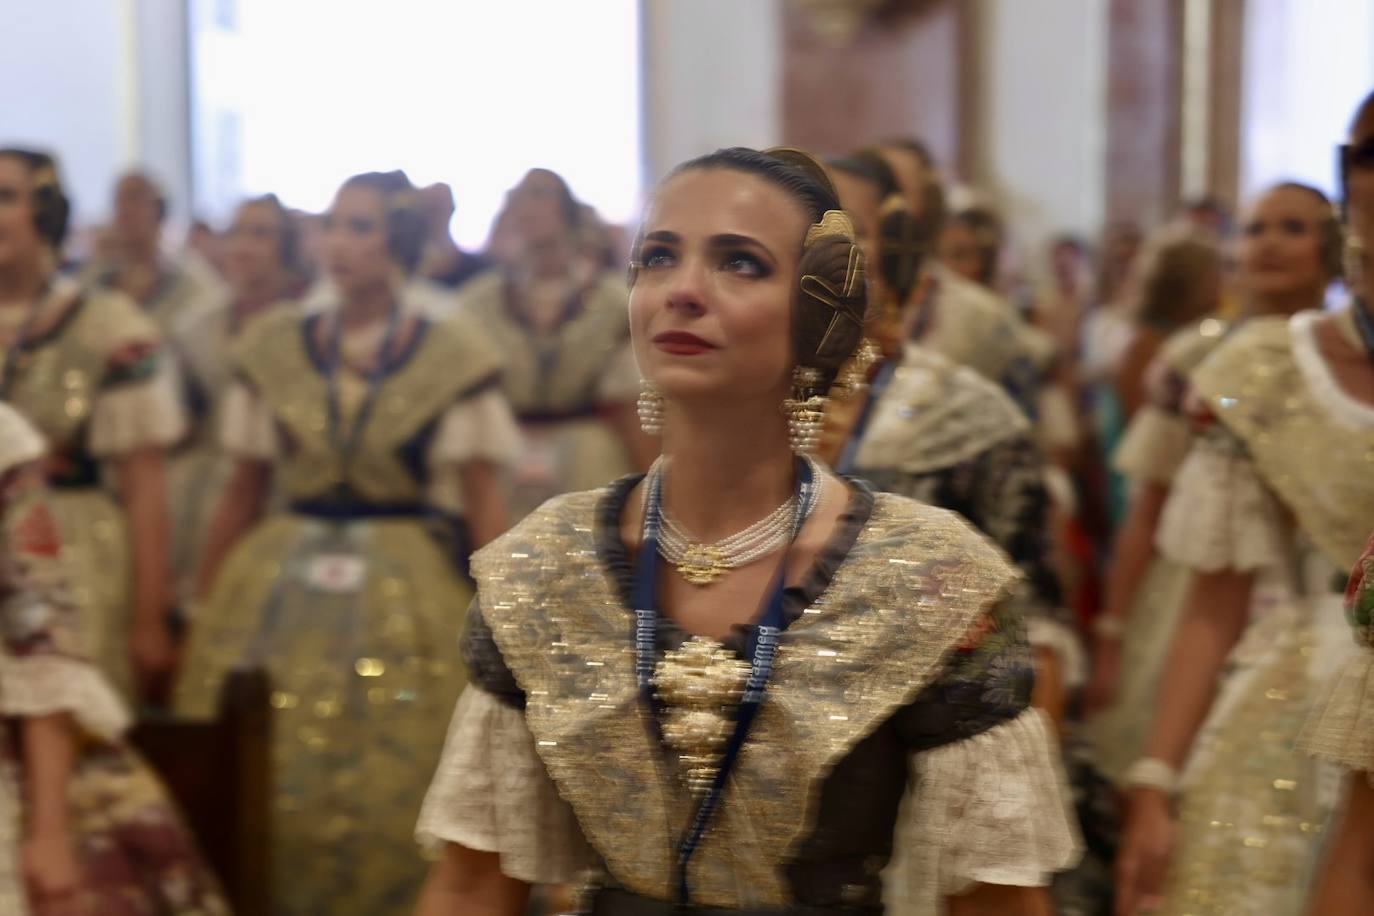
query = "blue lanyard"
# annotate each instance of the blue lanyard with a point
(347, 445)
(759, 653)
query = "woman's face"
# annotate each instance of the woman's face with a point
(862, 201)
(20, 242)
(536, 209)
(1359, 190)
(253, 246)
(959, 251)
(355, 248)
(1280, 246)
(711, 307)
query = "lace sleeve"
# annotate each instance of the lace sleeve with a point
(138, 411)
(1155, 444)
(991, 809)
(492, 793)
(1220, 514)
(247, 429)
(1340, 726)
(480, 427)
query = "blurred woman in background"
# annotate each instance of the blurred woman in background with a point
(557, 318)
(263, 268)
(386, 431)
(1222, 813)
(84, 366)
(1288, 253)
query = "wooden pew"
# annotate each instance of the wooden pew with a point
(219, 772)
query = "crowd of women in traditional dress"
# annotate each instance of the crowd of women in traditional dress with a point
(279, 449)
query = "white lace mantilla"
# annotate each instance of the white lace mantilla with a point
(138, 415)
(1344, 407)
(492, 794)
(1220, 515)
(992, 809)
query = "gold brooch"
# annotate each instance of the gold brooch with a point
(700, 684)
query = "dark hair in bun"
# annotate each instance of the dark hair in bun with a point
(52, 210)
(405, 221)
(869, 166)
(831, 295)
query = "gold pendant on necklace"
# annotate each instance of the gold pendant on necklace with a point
(702, 564)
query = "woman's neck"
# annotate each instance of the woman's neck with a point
(255, 292)
(729, 465)
(366, 305)
(1287, 303)
(549, 259)
(23, 283)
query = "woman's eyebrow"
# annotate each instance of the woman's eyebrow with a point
(734, 239)
(663, 235)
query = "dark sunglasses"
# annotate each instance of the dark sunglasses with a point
(1351, 156)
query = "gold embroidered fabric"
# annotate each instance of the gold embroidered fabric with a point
(909, 591)
(1318, 465)
(991, 809)
(935, 414)
(561, 371)
(492, 793)
(273, 356)
(1341, 725)
(60, 380)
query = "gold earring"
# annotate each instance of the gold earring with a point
(650, 407)
(805, 410)
(1353, 260)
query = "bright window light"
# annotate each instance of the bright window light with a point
(1307, 66)
(293, 96)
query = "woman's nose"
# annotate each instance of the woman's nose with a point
(687, 293)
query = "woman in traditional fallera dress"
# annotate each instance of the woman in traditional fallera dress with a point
(85, 828)
(626, 700)
(385, 431)
(558, 319)
(1277, 484)
(1341, 726)
(935, 431)
(84, 366)
(1288, 253)
(262, 267)
(166, 290)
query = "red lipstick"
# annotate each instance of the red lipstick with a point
(680, 343)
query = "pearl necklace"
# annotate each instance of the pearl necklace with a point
(702, 563)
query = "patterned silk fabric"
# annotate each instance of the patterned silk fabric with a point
(916, 584)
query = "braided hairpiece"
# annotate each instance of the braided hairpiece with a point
(845, 299)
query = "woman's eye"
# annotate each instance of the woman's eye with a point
(745, 264)
(361, 226)
(1294, 227)
(1254, 229)
(656, 257)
